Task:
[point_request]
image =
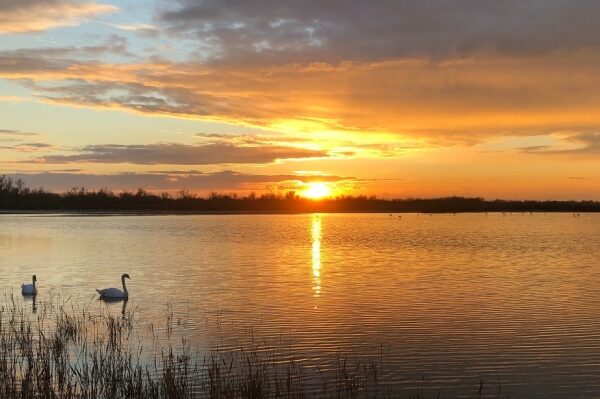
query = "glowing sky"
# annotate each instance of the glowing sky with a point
(499, 99)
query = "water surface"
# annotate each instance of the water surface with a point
(444, 299)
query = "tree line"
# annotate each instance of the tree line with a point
(15, 195)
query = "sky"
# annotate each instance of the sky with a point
(394, 98)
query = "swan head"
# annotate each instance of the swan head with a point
(126, 276)
(34, 278)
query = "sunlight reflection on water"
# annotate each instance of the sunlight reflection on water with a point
(316, 254)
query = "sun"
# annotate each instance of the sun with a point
(316, 190)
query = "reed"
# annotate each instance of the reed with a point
(66, 351)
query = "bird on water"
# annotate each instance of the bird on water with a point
(29, 289)
(115, 293)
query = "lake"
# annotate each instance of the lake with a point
(442, 300)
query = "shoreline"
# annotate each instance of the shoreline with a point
(74, 212)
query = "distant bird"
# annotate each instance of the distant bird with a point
(29, 289)
(115, 293)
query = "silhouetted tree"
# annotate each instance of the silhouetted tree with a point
(15, 195)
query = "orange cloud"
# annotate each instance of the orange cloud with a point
(39, 15)
(458, 101)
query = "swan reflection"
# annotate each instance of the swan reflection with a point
(113, 301)
(31, 298)
(316, 255)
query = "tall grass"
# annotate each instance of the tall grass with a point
(67, 351)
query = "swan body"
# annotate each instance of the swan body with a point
(29, 289)
(115, 293)
(111, 293)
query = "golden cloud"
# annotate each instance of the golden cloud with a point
(39, 15)
(454, 101)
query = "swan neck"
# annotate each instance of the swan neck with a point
(124, 286)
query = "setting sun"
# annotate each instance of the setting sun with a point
(316, 190)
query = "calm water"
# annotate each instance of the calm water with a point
(446, 298)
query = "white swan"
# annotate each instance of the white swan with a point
(115, 292)
(29, 289)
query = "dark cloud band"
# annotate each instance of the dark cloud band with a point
(181, 154)
(267, 32)
(195, 181)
